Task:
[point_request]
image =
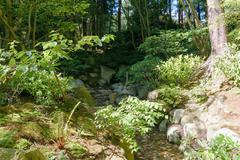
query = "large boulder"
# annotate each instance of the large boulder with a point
(227, 132)
(107, 73)
(84, 94)
(220, 114)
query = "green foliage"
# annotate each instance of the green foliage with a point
(76, 150)
(221, 148)
(230, 65)
(170, 95)
(133, 116)
(91, 43)
(35, 71)
(145, 72)
(177, 70)
(153, 72)
(167, 43)
(199, 92)
(44, 86)
(23, 144)
(6, 138)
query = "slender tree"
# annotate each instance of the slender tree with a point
(119, 15)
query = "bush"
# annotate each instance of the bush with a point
(44, 86)
(221, 148)
(177, 70)
(168, 43)
(34, 71)
(170, 95)
(153, 72)
(131, 117)
(145, 72)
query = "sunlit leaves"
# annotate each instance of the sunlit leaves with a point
(133, 116)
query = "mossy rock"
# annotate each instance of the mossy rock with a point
(27, 107)
(35, 131)
(82, 110)
(32, 155)
(83, 94)
(87, 126)
(76, 150)
(8, 109)
(6, 138)
(7, 153)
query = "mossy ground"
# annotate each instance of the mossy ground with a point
(29, 127)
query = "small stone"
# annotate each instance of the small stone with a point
(190, 130)
(174, 133)
(93, 75)
(153, 95)
(76, 83)
(177, 115)
(163, 126)
(142, 92)
(112, 98)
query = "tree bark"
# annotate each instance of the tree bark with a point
(217, 28)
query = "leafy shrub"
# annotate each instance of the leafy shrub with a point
(44, 86)
(133, 116)
(153, 72)
(35, 71)
(221, 148)
(230, 65)
(23, 144)
(177, 70)
(167, 43)
(170, 95)
(93, 42)
(145, 72)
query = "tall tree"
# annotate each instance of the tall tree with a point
(170, 9)
(119, 15)
(218, 38)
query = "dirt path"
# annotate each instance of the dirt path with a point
(155, 147)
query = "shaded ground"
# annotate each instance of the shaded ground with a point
(156, 147)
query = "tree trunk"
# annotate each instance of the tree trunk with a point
(218, 38)
(217, 29)
(119, 15)
(170, 10)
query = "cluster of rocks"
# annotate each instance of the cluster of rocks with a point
(219, 115)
